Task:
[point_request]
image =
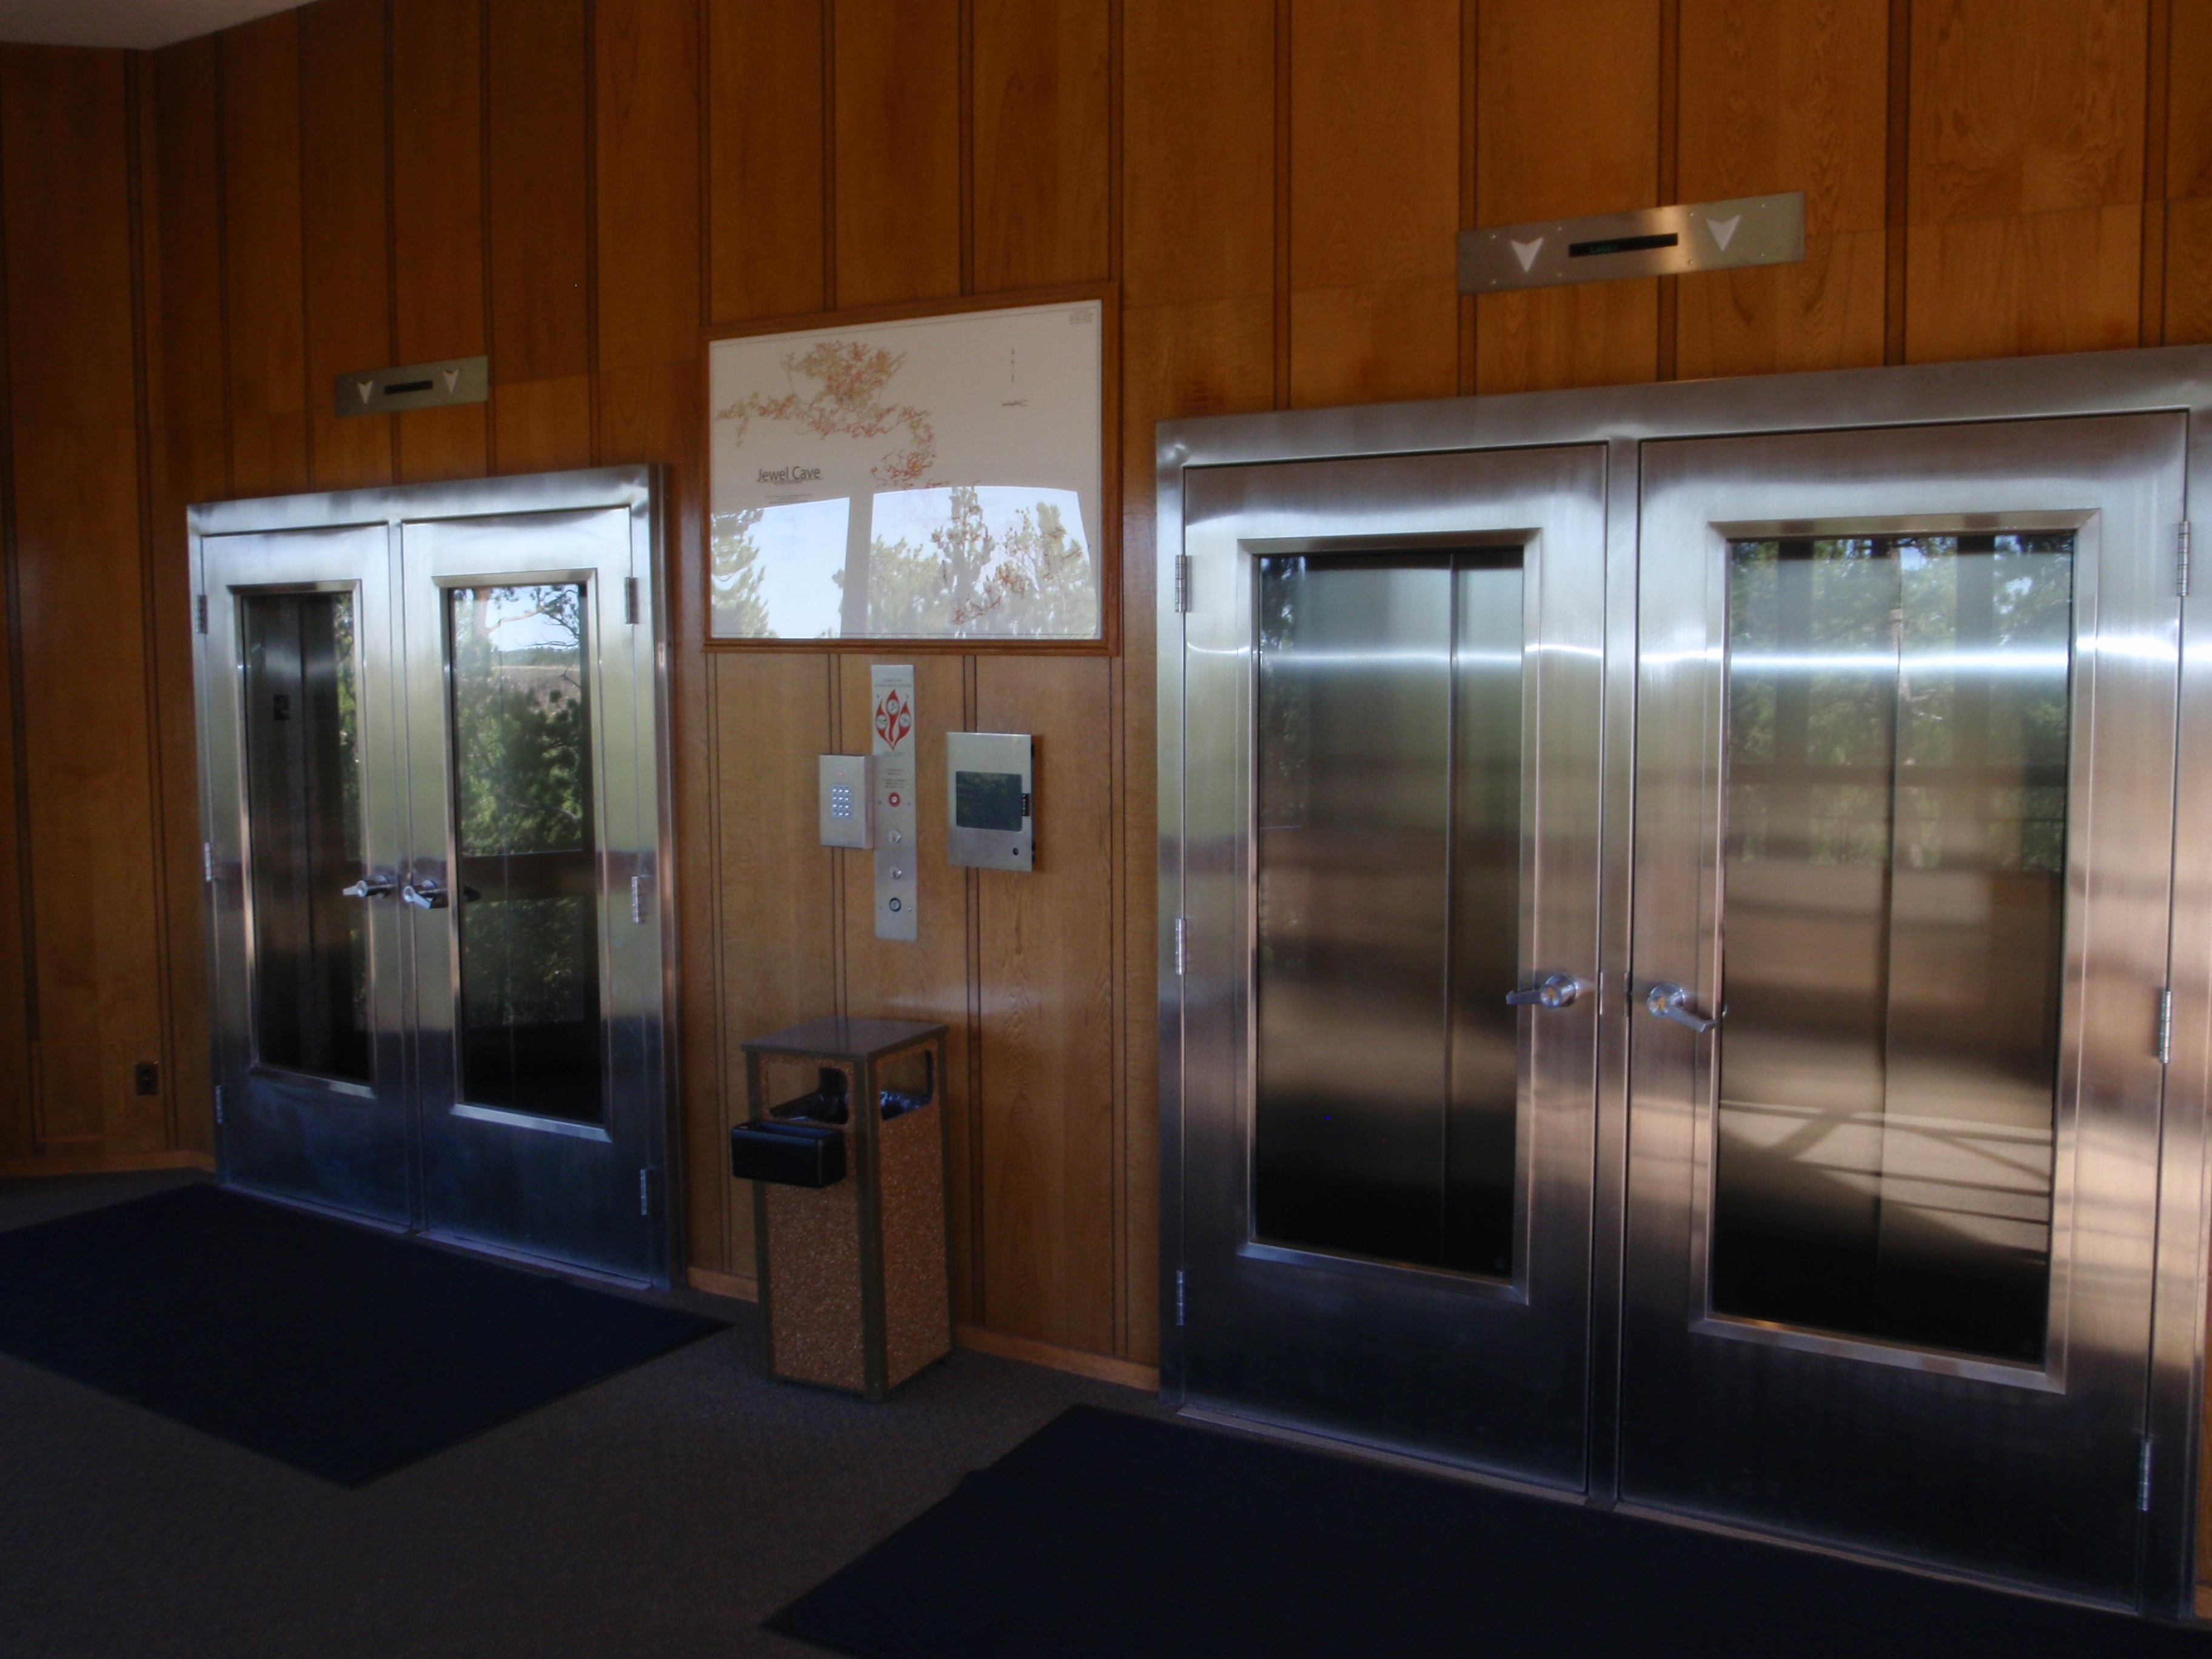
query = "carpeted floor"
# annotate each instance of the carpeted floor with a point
(666, 1512)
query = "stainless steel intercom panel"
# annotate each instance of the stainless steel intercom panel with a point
(987, 784)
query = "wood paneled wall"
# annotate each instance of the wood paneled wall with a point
(196, 240)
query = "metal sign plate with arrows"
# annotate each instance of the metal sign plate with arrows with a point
(1666, 241)
(414, 385)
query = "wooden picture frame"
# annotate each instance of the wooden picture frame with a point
(1106, 538)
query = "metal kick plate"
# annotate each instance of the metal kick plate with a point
(414, 385)
(1666, 241)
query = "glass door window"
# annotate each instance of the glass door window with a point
(1893, 894)
(526, 928)
(1387, 844)
(300, 696)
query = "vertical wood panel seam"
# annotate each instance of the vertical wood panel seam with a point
(1117, 888)
(717, 978)
(485, 230)
(149, 619)
(25, 910)
(1282, 204)
(2158, 77)
(702, 19)
(1670, 179)
(1470, 66)
(1897, 185)
(1123, 784)
(300, 106)
(1115, 70)
(966, 80)
(222, 271)
(972, 900)
(391, 215)
(592, 226)
(829, 154)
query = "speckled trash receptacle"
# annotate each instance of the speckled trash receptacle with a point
(853, 1287)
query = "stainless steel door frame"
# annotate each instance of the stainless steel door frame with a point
(1624, 418)
(1983, 1448)
(636, 843)
(1433, 1336)
(320, 1141)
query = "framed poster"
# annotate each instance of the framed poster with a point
(936, 478)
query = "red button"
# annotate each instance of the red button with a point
(895, 799)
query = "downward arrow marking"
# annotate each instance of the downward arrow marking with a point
(367, 388)
(1527, 251)
(1722, 229)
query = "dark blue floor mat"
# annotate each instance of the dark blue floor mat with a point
(1113, 1536)
(340, 1350)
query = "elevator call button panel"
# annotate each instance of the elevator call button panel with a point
(987, 796)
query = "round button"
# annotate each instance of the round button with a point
(897, 874)
(896, 905)
(895, 797)
(897, 836)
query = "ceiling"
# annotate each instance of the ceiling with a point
(124, 22)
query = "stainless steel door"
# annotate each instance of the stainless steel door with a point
(1390, 796)
(300, 751)
(1905, 789)
(529, 885)
(434, 781)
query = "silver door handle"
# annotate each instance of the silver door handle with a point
(1553, 991)
(424, 895)
(369, 887)
(1670, 1002)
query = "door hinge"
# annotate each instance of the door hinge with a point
(218, 1105)
(2166, 1026)
(629, 600)
(207, 860)
(637, 898)
(2143, 1478)
(1178, 1296)
(1180, 933)
(645, 1185)
(199, 611)
(1183, 581)
(2181, 559)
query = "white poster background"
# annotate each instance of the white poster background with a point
(954, 460)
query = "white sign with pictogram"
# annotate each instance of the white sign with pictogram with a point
(891, 687)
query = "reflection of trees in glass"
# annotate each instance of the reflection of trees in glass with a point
(1912, 609)
(523, 779)
(525, 896)
(736, 575)
(1032, 577)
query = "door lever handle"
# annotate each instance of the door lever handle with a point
(425, 894)
(1670, 1002)
(369, 887)
(1553, 991)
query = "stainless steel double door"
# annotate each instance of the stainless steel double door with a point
(1899, 822)
(431, 772)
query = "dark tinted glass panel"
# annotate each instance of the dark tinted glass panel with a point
(310, 990)
(988, 800)
(525, 901)
(1894, 960)
(1388, 761)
